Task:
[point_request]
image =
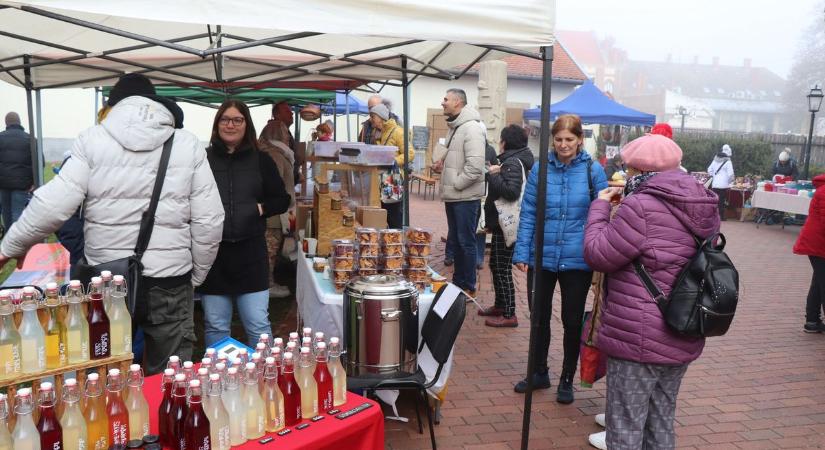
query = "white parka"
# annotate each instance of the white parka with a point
(113, 168)
(462, 178)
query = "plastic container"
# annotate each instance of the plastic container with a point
(418, 236)
(390, 236)
(418, 249)
(366, 236)
(343, 248)
(417, 262)
(341, 276)
(369, 250)
(343, 263)
(367, 262)
(417, 275)
(393, 250)
(367, 272)
(392, 262)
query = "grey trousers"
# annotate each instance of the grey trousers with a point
(641, 404)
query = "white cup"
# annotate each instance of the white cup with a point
(311, 245)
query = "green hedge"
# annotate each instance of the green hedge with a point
(749, 156)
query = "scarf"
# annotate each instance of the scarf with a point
(635, 181)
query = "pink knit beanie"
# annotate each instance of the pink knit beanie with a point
(652, 153)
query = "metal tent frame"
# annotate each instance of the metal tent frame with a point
(337, 74)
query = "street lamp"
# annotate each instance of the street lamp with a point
(814, 102)
(683, 112)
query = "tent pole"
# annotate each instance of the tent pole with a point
(39, 123)
(346, 93)
(538, 239)
(335, 118)
(405, 94)
(97, 105)
(30, 109)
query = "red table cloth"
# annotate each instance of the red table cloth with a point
(364, 430)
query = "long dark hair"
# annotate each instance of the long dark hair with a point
(250, 139)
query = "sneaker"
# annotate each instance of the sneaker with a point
(598, 440)
(564, 393)
(814, 327)
(278, 291)
(492, 311)
(502, 322)
(448, 262)
(541, 380)
(600, 420)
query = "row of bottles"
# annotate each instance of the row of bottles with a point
(52, 336)
(90, 419)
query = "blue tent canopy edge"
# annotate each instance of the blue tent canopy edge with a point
(593, 106)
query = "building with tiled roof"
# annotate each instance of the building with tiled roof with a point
(565, 68)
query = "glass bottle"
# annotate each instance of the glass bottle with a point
(196, 426)
(234, 407)
(253, 403)
(292, 347)
(220, 369)
(72, 420)
(224, 359)
(278, 342)
(174, 363)
(9, 339)
(55, 330)
(116, 409)
(267, 341)
(6, 442)
(188, 371)
(243, 355)
(99, 332)
(206, 363)
(51, 433)
(25, 433)
(94, 411)
(218, 418)
(203, 377)
(294, 337)
(120, 321)
(106, 277)
(136, 403)
(323, 379)
(32, 337)
(165, 407)
(307, 332)
(273, 399)
(278, 356)
(307, 342)
(306, 380)
(291, 392)
(177, 417)
(336, 369)
(258, 360)
(319, 337)
(210, 353)
(77, 326)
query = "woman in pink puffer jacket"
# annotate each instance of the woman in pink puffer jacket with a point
(664, 208)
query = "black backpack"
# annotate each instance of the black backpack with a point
(704, 297)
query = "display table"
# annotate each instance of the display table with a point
(776, 201)
(322, 309)
(364, 430)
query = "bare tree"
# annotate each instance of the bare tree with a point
(808, 70)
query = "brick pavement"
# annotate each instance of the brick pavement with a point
(760, 386)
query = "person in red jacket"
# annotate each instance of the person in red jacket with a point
(811, 242)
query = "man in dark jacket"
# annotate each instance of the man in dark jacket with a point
(505, 180)
(16, 176)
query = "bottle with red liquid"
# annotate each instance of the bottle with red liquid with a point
(323, 379)
(174, 363)
(196, 425)
(51, 433)
(166, 408)
(99, 338)
(177, 416)
(291, 392)
(116, 409)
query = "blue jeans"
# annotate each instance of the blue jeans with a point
(252, 307)
(13, 203)
(481, 244)
(462, 221)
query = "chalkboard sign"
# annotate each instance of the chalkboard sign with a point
(421, 137)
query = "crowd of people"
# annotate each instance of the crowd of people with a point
(223, 214)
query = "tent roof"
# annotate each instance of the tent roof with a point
(323, 44)
(593, 106)
(251, 98)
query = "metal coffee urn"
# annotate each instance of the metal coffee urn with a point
(380, 325)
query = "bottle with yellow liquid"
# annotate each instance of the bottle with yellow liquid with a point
(253, 403)
(77, 327)
(306, 381)
(215, 411)
(9, 339)
(107, 278)
(32, 337)
(72, 420)
(94, 411)
(273, 398)
(233, 403)
(120, 322)
(339, 375)
(25, 433)
(5, 437)
(136, 403)
(55, 330)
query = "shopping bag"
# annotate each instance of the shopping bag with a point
(593, 361)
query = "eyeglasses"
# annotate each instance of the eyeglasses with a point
(237, 121)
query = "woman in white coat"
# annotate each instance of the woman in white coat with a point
(721, 169)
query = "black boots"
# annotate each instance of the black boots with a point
(564, 395)
(541, 380)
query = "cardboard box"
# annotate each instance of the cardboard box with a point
(374, 218)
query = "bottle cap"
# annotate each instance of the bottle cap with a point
(174, 359)
(106, 274)
(269, 360)
(28, 290)
(97, 280)
(206, 361)
(25, 392)
(265, 336)
(203, 371)
(195, 383)
(214, 377)
(180, 377)
(51, 286)
(169, 372)
(256, 355)
(187, 364)
(114, 372)
(74, 283)
(287, 355)
(118, 279)
(134, 367)
(304, 350)
(70, 382)
(232, 370)
(322, 345)
(250, 366)
(46, 386)
(333, 340)
(92, 377)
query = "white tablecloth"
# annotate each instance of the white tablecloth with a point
(792, 204)
(322, 309)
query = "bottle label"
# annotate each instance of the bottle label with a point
(62, 353)
(41, 357)
(223, 437)
(81, 444)
(101, 348)
(205, 445)
(120, 433)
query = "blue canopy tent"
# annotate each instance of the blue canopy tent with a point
(356, 106)
(593, 106)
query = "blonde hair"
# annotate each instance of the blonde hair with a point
(104, 111)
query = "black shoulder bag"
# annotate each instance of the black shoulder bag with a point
(131, 267)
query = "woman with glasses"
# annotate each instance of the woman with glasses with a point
(251, 190)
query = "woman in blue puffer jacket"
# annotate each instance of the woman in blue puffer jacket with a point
(573, 180)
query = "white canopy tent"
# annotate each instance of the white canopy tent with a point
(231, 47)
